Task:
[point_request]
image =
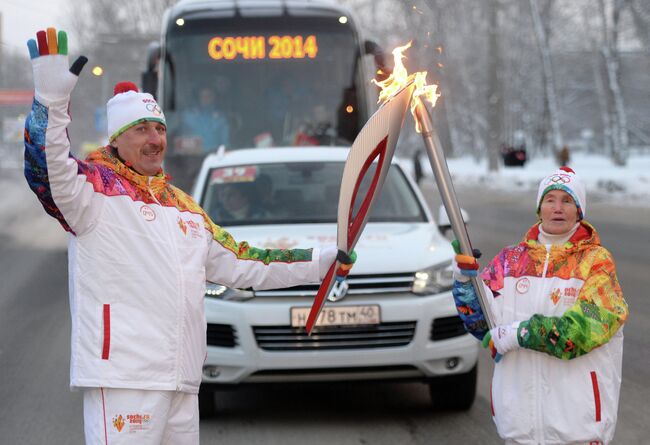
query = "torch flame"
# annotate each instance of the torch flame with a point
(400, 77)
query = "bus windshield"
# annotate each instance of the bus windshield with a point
(253, 82)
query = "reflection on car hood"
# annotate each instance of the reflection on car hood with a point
(382, 248)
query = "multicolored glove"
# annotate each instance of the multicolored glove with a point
(501, 340)
(465, 266)
(346, 264)
(54, 79)
(327, 257)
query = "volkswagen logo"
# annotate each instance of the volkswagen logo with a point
(339, 291)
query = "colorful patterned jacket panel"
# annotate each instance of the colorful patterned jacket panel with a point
(577, 306)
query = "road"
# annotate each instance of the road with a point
(38, 408)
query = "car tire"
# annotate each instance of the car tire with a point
(207, 404)
(454, 392)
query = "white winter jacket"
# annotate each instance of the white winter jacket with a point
(562, 385)
(140, 252)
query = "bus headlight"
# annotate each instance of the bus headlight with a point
(434, 279)
(222, 292)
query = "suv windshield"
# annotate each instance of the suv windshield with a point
(303, 192)
(253, 82)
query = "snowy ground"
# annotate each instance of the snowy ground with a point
(605, 182)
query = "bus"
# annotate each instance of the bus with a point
(246, 74)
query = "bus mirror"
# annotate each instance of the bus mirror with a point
(150, 82)
(372, 48)
(153, 56)
(150, 75)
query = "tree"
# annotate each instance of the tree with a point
(610, 12)
(495, 95)
(640, 12)
(541, 25)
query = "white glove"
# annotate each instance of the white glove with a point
(505, 337)
(54, 79)
(326, 258)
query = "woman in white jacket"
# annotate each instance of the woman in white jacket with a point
(559, 312)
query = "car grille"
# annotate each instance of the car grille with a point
(223, 335)
(287, 338)
(335, 374)
(447, 327)
(358, 285)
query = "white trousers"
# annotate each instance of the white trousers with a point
(131, 416)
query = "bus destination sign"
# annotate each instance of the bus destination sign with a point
(261, 47)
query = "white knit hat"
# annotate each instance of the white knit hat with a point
(567, 180)
(129, 107)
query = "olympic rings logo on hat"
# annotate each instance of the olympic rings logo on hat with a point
(154, 108)
(559, 179)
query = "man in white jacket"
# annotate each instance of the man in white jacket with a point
(140, 252)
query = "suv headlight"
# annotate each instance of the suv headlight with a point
(434, 279)
(222, 292)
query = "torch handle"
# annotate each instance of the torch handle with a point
(449, 200)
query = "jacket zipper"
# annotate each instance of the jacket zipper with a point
(539, 428)
(181, 313)
(548, 255)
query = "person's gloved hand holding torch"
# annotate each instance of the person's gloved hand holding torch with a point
(331, 253)
(465, 266)
(498, 340)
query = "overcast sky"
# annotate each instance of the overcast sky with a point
(22, 18)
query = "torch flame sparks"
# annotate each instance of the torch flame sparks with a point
(400, 78)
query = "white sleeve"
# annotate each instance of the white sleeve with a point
(58, 179)
(242, 266)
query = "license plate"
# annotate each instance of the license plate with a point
(338, 316)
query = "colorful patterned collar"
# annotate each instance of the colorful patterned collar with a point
(108, 157)
(586, 234)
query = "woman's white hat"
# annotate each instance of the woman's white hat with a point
(567, 180)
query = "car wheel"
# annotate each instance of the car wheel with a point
(207, 405)
(453, 392)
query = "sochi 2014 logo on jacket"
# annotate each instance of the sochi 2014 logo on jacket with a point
(567, 294)
(189, 227)
(118, 423)
(555, 296)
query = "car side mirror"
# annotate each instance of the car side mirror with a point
(444, 224)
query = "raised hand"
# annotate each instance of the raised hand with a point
(54, 79)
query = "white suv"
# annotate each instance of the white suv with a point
(395, 319)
